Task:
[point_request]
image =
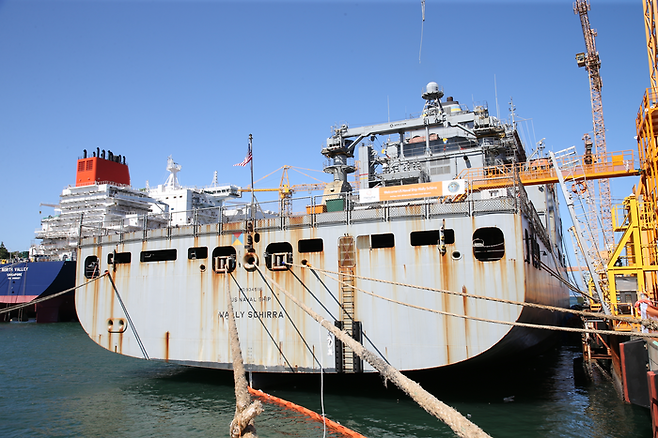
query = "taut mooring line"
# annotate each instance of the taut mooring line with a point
(289, 318)
(450, 416)
(363, 332)
(130, 321)
(628, 319)
(242, 424)
(49, 297)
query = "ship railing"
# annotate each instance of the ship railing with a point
(100, 183)
(313, 212)
(531, 214)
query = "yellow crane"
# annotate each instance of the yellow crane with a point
(285, 189)
(635, 254)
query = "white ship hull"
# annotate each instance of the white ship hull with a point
(178, 308)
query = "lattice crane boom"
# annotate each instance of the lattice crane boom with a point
(650, 9)
(592, 63)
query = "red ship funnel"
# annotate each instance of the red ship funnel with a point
(99, 170)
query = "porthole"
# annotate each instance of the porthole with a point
(456, 255)
(92, 267)
(488, 244)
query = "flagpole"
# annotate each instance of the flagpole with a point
(251, 165)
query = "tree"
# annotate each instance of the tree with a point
(4, 252)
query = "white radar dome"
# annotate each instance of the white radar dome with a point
(432, 92)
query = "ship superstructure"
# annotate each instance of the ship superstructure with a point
(103, 202)
(379, 260)
(100, 202)
(183, 203)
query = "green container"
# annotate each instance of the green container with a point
(335, 204)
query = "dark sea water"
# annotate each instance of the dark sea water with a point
(55, 382)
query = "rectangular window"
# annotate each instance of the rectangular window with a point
(199, 252)
(119, 258)
(448, 236)
(382, 240)
(432, 237)
(423, 238)
(310, 245)
(160, 255)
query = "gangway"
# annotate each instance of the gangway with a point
(542, 170)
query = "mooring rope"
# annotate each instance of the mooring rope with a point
(450, 416)
(245, 410)
(345, 312)
(556, 275)
(130, 321)
(649, 323)
(628, 319)
(291, 321)
(49, 297)
(324, 420)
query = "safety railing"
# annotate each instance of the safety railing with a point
(311, 212)
(541, 171)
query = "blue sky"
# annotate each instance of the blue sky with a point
(192, 79)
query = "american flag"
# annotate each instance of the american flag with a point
(247, 159)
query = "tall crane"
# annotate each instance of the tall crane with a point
(638, 249)
(636, 254)
(592, 63)
(650, 15)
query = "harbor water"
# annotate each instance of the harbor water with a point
(55, 382)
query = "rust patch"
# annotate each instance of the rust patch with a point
(295, 220)
(166, 358)
(234, 226)
(414, 210)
